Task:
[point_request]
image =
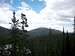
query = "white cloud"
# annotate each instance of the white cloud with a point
(5, 16)
(46, 18)
(59, 17)
(52, 16)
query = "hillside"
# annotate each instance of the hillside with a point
(41, 41)
(39, 32)
(42, 32)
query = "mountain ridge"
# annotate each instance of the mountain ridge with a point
(39, 32)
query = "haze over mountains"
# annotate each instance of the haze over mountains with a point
(39, 32)
(42, 32)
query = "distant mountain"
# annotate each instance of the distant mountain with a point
(4, 30)
(46, 40)
(4, 34)
(39, 32)
(42, 32)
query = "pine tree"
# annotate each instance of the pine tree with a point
(67, 45)
(18, 36)
(14, 33)
(63, 42)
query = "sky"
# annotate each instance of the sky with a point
(54, 14)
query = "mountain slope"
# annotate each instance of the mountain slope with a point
(36, 33)
(42, 32)
(4, 34)
(4, 30)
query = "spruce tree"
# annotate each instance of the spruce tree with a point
(67, 45)
(18, 36)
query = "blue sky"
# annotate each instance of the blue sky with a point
(54, 14)
(15, 4)
(35, 5)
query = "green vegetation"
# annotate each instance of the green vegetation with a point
(57, 44)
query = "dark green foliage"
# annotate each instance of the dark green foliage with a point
(47, 46)
(59, 44)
